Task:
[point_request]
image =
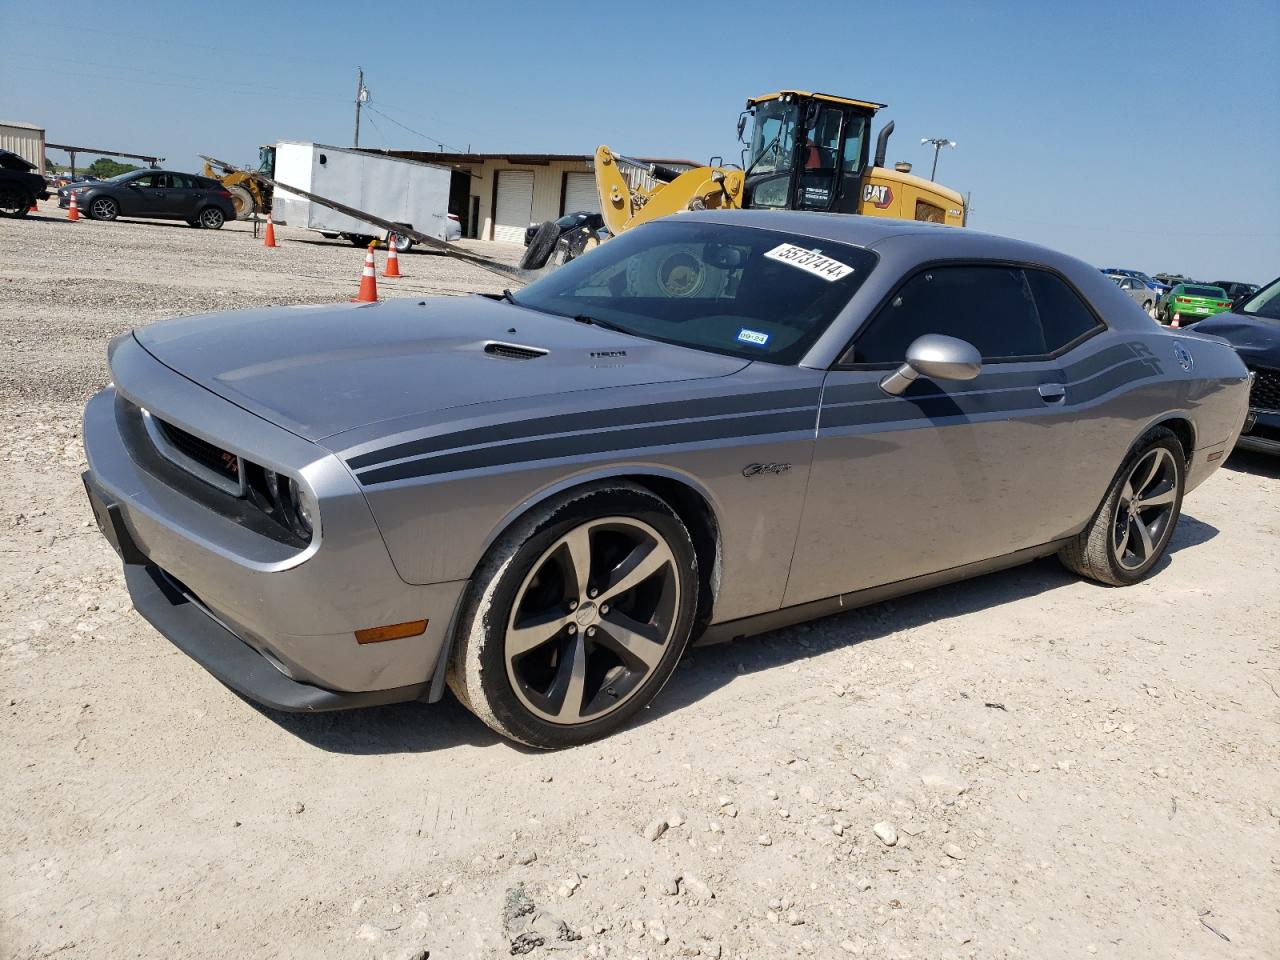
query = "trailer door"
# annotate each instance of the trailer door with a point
(514, 206)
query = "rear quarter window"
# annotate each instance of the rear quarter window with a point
(1064, 316)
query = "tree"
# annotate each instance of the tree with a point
(104, 168)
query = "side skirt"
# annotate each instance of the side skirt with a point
(789, 616)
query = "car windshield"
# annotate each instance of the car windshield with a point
(121, 177)
(1211, 292)
(1265, 303)
(742, 291)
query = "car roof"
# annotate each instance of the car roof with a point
(926, 241)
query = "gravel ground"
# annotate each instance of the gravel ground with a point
(1021, 766)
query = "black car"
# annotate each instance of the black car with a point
(570, 221)
(154, 194)
(1237, 291)
(20, 186)
(1253, 328)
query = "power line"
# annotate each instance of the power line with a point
(221, 82)
(417, 133)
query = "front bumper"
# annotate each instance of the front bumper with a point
(293, 611)
(1261, 431)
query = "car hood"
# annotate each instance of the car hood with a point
(1256, 339)
(322, 370)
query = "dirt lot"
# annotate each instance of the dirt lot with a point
(1069, 770)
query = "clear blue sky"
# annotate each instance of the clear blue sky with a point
(1144, 135)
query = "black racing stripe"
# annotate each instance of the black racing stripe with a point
(590, 420)
(554, 448)
(932, 406)
(1131, 372)
(1097, 362)
(993, 379)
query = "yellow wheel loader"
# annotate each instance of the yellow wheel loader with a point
(249, 196)
(806, 151)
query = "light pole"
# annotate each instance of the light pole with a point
(938, 144)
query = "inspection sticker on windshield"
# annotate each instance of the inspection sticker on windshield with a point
(753, 337)
(810, 260)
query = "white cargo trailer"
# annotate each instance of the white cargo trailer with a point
(402, 191)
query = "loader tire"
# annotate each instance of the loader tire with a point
(541, 246)
(242, 200)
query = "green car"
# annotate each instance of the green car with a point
(1188, 302)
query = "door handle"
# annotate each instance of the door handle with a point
(1052, 392)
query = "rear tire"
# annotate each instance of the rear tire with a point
(541, 246)
(1131, 530)
(14, 201)
(211, 218)
(557, 643)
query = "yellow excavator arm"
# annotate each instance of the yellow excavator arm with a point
(624, 206)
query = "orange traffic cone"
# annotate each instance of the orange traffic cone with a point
(368, 281)
(35, 207)
(74, 212)
(393, 259)
(1176, 323)
(269, 240)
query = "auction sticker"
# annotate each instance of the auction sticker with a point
(810, 260)
(753, 337)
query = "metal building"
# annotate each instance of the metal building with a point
(497, 195)
(24, 139)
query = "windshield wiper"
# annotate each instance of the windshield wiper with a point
(602, 324)
(509, 297)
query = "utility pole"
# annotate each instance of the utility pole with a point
(362, 96)
(938, 144)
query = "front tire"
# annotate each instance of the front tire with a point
(1131, 530)
(577, 617)
(104, 208)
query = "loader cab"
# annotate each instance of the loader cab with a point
(807, 151)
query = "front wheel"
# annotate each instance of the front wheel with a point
(577, 617)
(104, 208)
(1131, 530)
(211, 218)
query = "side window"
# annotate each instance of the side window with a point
(177, 181)
(990, 307)
(1063, 315)
(146, 180)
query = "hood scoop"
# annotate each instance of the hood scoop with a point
(512, 351)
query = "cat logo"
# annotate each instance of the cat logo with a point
(878, 193)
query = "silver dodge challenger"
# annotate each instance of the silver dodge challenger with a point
(714, 425)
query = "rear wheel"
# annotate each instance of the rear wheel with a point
(1131, 530)
(577, 618)
(242, 200)
(14, 201)
(211, 218)
(104, 208)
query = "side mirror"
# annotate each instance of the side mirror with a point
(936, 357)
(742, 125)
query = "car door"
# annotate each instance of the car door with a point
(179, 203)
(948, 473)
(142, 196)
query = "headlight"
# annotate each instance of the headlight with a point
(304, 505)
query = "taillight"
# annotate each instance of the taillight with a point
(225, 193)
(1224, 303)
(1183, 299)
